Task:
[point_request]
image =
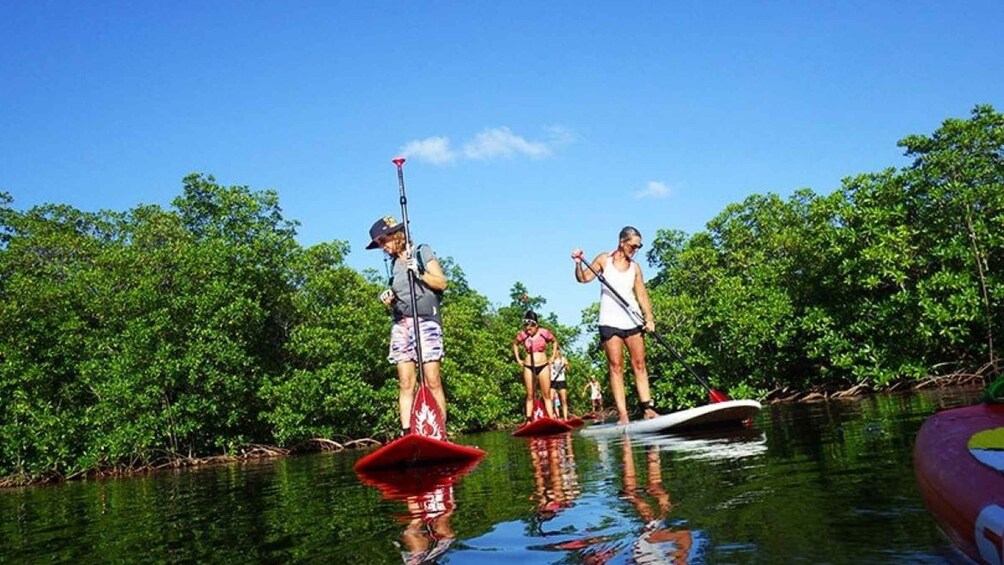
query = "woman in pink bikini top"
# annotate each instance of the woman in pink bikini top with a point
(536, 363)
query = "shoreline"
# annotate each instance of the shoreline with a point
(257, 452)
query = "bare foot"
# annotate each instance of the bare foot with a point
(649, 414)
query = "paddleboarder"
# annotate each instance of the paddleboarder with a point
(618, 327)
(558, 385)
(595, 394)
(536, 364)
(388, 234)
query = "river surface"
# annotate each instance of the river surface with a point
(825, 482)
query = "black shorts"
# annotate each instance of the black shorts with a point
(559, 385)
(607, 332)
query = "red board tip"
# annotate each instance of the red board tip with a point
(718, 396)
(399, 161)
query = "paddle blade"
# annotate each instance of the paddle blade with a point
(718, 396)
(426, 417)
(538, 410)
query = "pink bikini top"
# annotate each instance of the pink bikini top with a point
(536, 343)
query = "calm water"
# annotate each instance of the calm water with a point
(813, 483)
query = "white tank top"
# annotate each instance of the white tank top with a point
(612, 312)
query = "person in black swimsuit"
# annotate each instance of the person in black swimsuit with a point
(536, 364)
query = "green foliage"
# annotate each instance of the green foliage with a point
(204, 327)
(894, 274)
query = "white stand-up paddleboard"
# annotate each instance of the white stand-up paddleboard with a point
(707, 416)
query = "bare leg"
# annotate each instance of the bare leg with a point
(615, 362)
(528, 382)
(544, 378)
(563, 395)
(406, 395)
(636, 348)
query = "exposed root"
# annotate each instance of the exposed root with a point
(821, 393)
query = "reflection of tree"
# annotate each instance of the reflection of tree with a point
(556, 482)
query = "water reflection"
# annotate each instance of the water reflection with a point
(719, 445)
(555, 479)
(429, 499)
(823, 483)
(647, 536)
(658, 542)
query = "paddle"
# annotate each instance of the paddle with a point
(426, 416)
(716, 395)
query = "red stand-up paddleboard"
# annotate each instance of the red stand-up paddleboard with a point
(540, 424)
(574, 422)
(425, 445)
(959, 462)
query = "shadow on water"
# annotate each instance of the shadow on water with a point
(828, 482)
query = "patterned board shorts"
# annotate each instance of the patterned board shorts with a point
(402, 341)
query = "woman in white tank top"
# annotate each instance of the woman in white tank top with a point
(620, 326)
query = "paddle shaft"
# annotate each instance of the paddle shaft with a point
(411, 274)
(641, 323)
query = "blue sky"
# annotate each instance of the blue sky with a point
(530, 128)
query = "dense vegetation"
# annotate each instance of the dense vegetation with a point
(897, 274)
(130, 337)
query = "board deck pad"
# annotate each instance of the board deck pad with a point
(709, 416)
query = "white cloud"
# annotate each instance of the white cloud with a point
(559, 135)
(502, 142)
(654, 189)
(435, 150)
(488, 144)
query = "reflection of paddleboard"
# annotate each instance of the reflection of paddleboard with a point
(414, 449)
(718, 414)
(732, 444)
(397, 484)
(960, 470)
(542, 426)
